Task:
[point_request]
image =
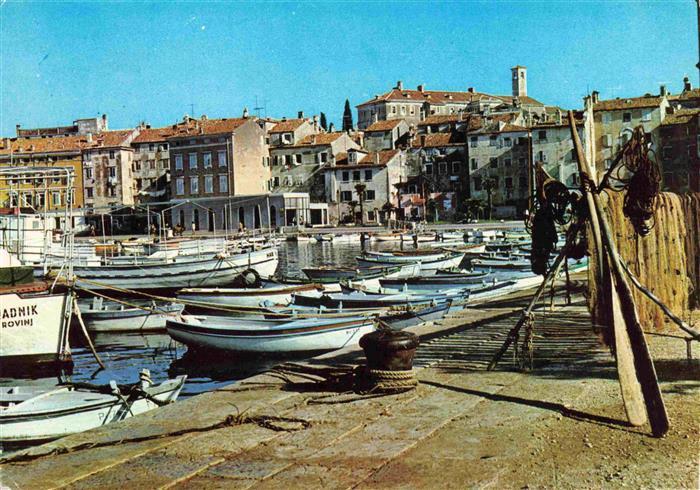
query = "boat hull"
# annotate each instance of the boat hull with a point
(234, 297)
(34, 328)
(131, 319)
(336, 335)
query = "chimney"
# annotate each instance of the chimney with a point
(185, 118)
(245, 112)
(470, 90)
(17, 126)
(331, 127)
(300, 115)
(421, 88)
(686, 85)
(315, 121)
(284, 118)
(399, 85)
(204, 117)
(662, 91)
(594, 96)
(376, 158)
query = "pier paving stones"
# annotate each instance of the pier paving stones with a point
(561, 425)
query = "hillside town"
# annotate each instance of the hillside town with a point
(413, 154)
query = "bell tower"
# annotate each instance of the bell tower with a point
(519, 77)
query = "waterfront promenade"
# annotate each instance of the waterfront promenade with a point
(559, 425)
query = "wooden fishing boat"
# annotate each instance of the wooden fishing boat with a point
(28, 415)
(419, 238)
(182, 272)
(336, 274)
(456, 279)
(110, 316)
(520, 265)
(357, 299)
(205, 300)
(269, 336)
(34, 321)
(388, 237)
(428, 263)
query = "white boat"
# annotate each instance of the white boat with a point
(34, 323)
(32, 416)
(388, 237)
(520, 265)
(419, 238)
(111, 316)
(327, 237)
(428, 264)
(199, 300)
(269, 336)
(182, 272)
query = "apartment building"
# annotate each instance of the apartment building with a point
(213, 161)
(151, 164)
(298, 166)
(378, 172)
(386, 135)
(679, 157)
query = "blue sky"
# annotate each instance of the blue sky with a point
(154, 61)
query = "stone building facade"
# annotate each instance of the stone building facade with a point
(378, 171)
(386, 135)
(211, 161)
(679, 155)
(151, 164)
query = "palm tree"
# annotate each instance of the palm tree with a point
(352, 205)
(388, 208)
(490, 184)
(360, 188)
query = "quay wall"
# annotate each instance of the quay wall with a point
(665, 261)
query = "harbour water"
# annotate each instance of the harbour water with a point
(125, 354)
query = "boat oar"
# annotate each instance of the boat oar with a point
(620, 290)
(76, 311)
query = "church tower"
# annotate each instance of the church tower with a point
(519, 81)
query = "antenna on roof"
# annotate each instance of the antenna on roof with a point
(192, 109)
(258, 108)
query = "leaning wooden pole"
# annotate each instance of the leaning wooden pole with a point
(643, 364)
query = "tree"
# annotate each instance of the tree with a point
(489, 185)
(347, 117)
(473, 208)
(324, 123)
(353, 206)
(360, 188)
(432, 206)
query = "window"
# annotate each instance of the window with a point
(455, 167)
(542, 135)
(88, 173)
(508, 162)
(208, 184)
(370, 216)
(193, 160)
(508, 142)
(298, 158)
(56, 198)
(346, 176)
(152, 164)
(324, 157)
(443, 168)
(428, 169)
(223, 183)
(88, 193)
(276, 181)
(206, 160)
(626, 117)
(180, 186)
(493, 162)
(356, 175)
(288, 159)
(112, 172)
(369, 196)
(221, 159)
(393, 109)
(111, 153)
(509, 182)
(493, 140)
(368, 175)
(178, 162)
(474, 164)
(346, 196)
(352, 157)
(164, 163)
(474, 141)
(194, 185)
(477, 183)
(151, 147)
(646, 115)
(606, 118)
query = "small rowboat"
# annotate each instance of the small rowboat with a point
(356, 299)
(420, 238)
(110, 316)
(28, 415)
(501, 264)
(456, 279)
(205, 300)
(429, 263)
(269, 336)
(331, 274)
(328, 237)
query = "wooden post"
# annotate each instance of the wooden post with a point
(644, 370)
